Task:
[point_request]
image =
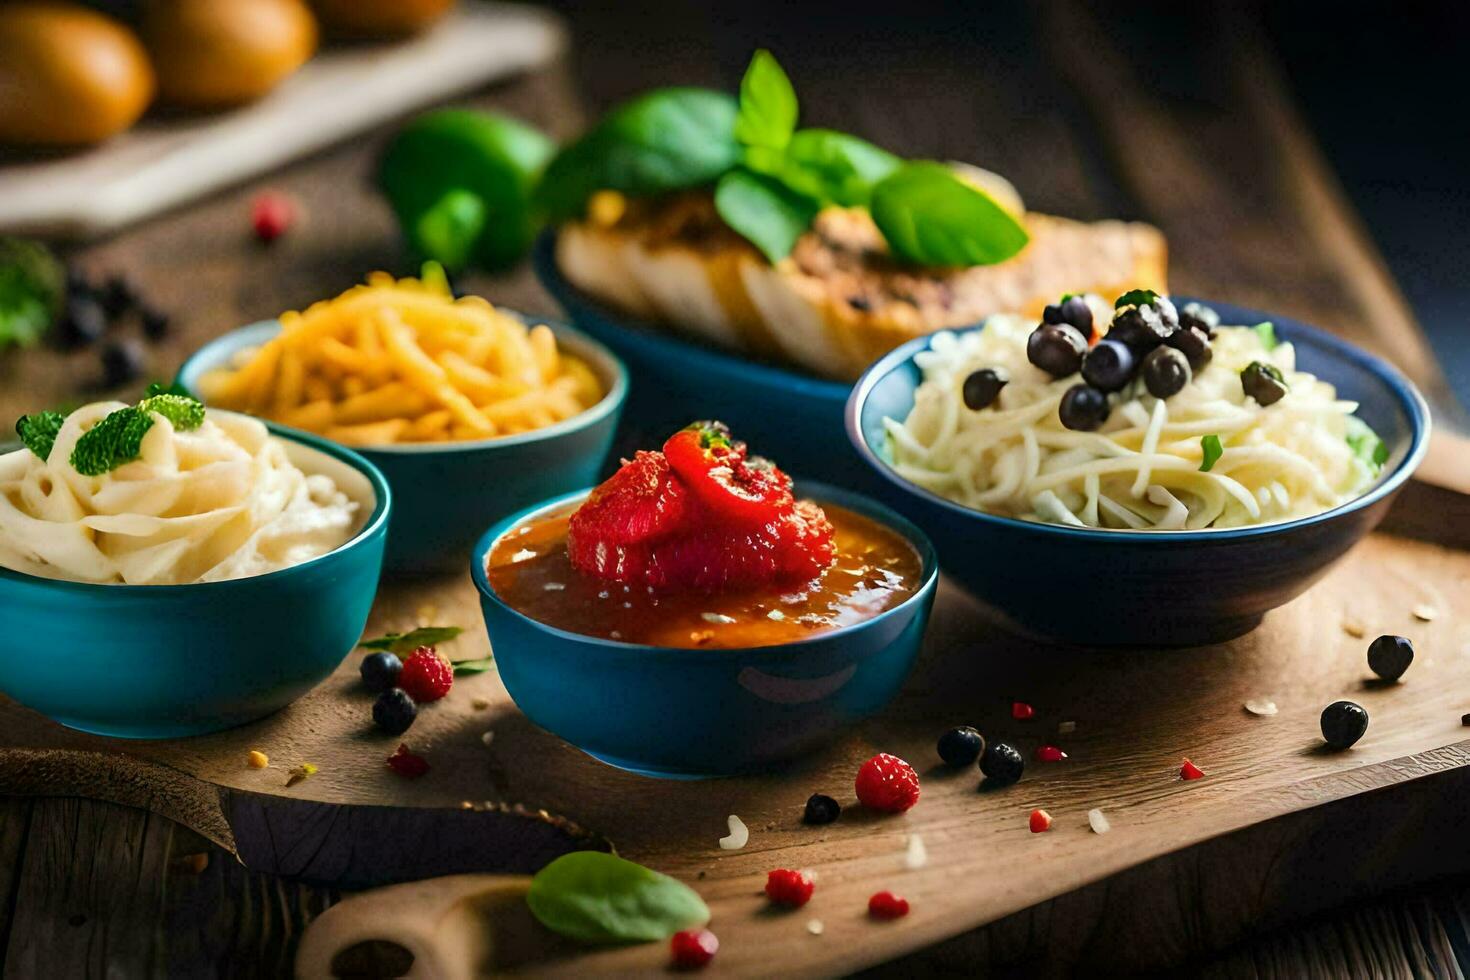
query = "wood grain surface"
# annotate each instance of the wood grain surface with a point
(92, 873)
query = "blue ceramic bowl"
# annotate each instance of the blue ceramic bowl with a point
(694, 713)
(1151, 588)
(162, 661)
(445, 493)
(785, 414)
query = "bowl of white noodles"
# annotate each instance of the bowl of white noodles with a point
(1175, 500)
(167, 570)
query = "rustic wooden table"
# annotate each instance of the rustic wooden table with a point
(1211, 150)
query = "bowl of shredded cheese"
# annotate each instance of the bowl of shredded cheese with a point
(470, 410)
(1193, 514)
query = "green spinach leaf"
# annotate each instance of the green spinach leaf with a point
(600, 898)
(931, 217)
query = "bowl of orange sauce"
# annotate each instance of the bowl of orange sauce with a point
(693, 683)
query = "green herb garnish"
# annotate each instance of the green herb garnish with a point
(1267, 332)
(932, 217)
(1366, 445)
(424, 636)
(183, 412)
(38, 432)
(1212, 450)
(31, 283)
(767, 115)
(763, 211)
(830, 167)
(599, 898)
(1136, 297)
(463, 667)
(115, 440)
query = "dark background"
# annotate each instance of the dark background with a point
(1385, 87)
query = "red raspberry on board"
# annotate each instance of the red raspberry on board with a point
(406, 764)
(693, 948)
(426, 676)
(271, 214)
(885, 782)
(787, 887)
(886, 905)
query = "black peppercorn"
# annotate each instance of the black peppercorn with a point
(1083, 408)
(1108, 366)
(1194, 344)
(821, 809)
(1056, 348)
(1263, 382)
(1165, 372)
(1390, 656)
(1002, 764)
(1343, 723)
(982, 387)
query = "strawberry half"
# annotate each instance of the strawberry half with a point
(747, 492)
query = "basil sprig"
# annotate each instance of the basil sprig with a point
(38, 432)
(599, 898)
(423, 636)
(932, 217)
(768, 106)
(763, 211)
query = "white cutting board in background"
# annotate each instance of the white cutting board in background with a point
(163, 162)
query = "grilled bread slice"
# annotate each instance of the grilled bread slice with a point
(839, 301)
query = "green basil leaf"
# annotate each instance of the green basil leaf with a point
(424, 636)
(766, 213)
(1366, 445)
(38, 432)
(600, 898)
(1210, 446)
(1136, 297)
(931, 217)
(463, 667)
(768, 105)
(828, 166)
(1267, 332)
(663, 141)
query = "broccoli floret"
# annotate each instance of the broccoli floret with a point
(115, 440)
(184, 412)
(38, 431)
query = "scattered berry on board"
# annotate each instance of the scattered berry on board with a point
(394, 711)
(886, 905)
(960, 746)
(1390, 656)
(1343, 723)
(693, 948)
(1190, 771)
(271, 215)
(821, 809)
(1002, 764)
(406, 764)
(1040, 821)
(426, 676)
(1049, 753)
(790, 888)
(887, 783)
(380, 671)
(1021, 711)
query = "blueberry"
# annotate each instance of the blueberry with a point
(1052, 313)
(982, 387)
(1165, 372)
(380, 670)
(1083, 408)
(394, 711)
(1343, 723)
(84, 321)
(1076, 312)
(1140, 327)
(155, 323)
(1002, 764)
(117, 296)
(1056, 348)
(1194, 344)
(960, 746)
(821, 809)
(1390, 656)
(1263, 382)
(1108, 366)
(122, 361)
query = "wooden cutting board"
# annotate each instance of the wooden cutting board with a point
(347, 88)
(513, 804)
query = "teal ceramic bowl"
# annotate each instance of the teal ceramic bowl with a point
(163, 661)
(444, 494)
(677, 713)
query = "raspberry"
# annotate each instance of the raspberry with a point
(1190, 771)
(1040, 821)
(787, 887)
(271, 214)
(693, 948)
(406, 764)
(885, 782)
(1021, 711)
(426, 676)
(1050, 753)
(886, 905)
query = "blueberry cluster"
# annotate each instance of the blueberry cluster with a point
(94, 309)
(1148, 338)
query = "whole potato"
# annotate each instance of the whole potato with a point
(380, 18)
(68, 75)
(215, 53)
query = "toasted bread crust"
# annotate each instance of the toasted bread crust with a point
(839, 301)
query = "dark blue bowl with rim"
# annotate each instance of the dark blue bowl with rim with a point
(445, 492)
(694, 713)
(1150, 588)
(788, 414)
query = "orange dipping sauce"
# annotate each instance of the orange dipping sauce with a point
(876, 570)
